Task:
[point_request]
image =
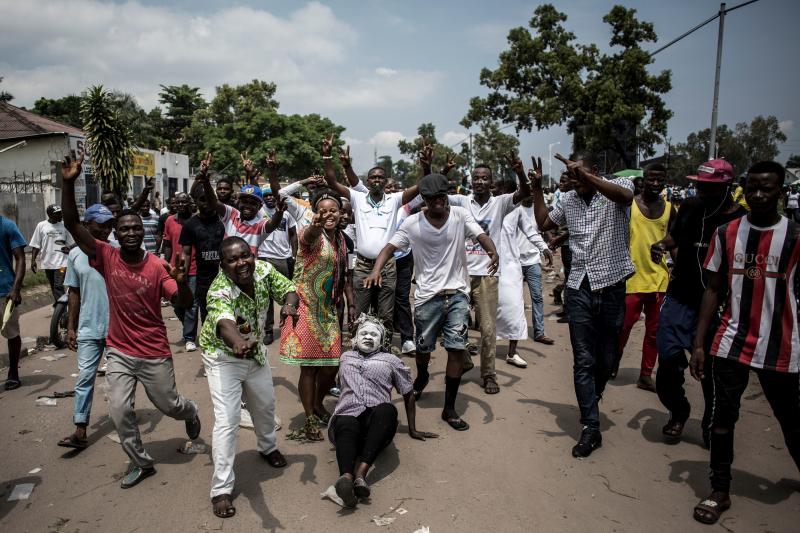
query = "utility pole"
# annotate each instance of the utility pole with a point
(471, 158)
(712, 151)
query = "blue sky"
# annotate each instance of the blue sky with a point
(381, 68)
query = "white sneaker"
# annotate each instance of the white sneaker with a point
(103, 369)
(190, 346)
(278, 425)
(245, 420)
(408, 347)
(516, 360)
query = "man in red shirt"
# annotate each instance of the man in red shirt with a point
(752, 265)
(137, 346)
(172, 249)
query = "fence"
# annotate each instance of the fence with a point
(25, 183)
(22, 199)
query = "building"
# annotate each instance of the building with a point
(31, 149)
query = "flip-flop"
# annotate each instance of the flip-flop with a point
(73, 442)
(673, 429)
(455, 422)
(229, 510)
(12, 384)
(708, 511)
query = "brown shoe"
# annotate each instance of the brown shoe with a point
(646, 383)
(544, 339)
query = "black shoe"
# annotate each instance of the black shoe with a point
(135, 475)
(563, 320)
(193, 427)
(590, 440)
(269, 339)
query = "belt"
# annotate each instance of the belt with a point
(447, 292)
(365, 259)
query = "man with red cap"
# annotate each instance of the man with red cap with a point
(689, 236)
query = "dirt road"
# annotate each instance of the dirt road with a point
(512, 471)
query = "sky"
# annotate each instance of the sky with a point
(381, 68)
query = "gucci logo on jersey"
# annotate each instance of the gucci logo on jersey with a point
(754, 273)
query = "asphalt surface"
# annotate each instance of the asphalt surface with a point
(512, 471)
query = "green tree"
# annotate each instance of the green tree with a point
(386, 163)
(109, 138)
(181, 103)
(793, 161)
(490, 147)
(607, 101)
(742, 146)
(5, 96)
(426, 134)
(403, 172)
(66, 109)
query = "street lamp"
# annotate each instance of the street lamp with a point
(550, 162)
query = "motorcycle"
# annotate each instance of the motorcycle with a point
(58, 324)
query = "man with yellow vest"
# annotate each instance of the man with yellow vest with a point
(651, 217)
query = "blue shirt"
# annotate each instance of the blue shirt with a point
(10, 239)
(93, 320)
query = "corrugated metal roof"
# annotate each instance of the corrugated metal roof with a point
(16, 123)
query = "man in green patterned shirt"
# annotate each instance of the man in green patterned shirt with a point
(236, 360)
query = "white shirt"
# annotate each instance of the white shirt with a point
(440, 259)
(375, 222)
(793, 201)
(490, 217)
(49, 239)
(530, 241)
(277, 244)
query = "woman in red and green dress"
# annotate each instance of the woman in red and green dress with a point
(314, 343)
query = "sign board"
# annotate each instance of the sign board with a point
(144, 164)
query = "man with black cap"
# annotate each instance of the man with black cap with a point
(690, 236)
(441, 300)
(53, 241)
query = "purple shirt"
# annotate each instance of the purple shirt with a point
(367, 381)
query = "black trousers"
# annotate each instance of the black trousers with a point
(403, 322)
(359, 439)
(282, 266)
(730, 381)
(55, 278)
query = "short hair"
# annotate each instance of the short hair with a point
(769, 167)
(225, 179)
(483, 165)
(655, 167)
(324, 193)
(230, 241)
(508, 186)
(109, 201)
(588, 157)
(378, 168)
(128, 212)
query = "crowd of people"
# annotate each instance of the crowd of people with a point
(715, 278)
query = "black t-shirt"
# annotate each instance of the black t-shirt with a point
(205, 236)
(692, 233)
(162, 220)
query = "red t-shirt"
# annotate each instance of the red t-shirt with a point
(172, 233)
(135, 326)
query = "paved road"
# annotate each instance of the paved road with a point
(512, 471)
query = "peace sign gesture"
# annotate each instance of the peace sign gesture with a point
(176, 271)
(450, 164)
(572, 167)
(205, 164)
(535, 173)
(327, 146)
(151, 183)
(71, 168)
(515, 163)
(247, 163)
(344, 156)
(426, 154)
(272, 160)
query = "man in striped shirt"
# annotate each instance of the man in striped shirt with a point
(752, 263)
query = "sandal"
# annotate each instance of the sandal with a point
(490, 385)
(222, 506)
(323, 418)
(74, 442)
(361, 489)
(709, 510)
(455, 422)
(12, 384)
(673, 429)
(275, 459)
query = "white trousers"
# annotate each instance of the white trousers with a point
(228, 377)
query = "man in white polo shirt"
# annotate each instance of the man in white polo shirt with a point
(376, 215)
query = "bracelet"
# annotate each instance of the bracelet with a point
(327, 157)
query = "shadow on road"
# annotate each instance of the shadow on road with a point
(744, 484)
(45, 380)
(650, 421)
(567, 418)
(5, 490)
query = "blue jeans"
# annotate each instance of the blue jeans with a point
(533, 276)
(595, 322)
(446, 314)
(89, 353)
(188, 316)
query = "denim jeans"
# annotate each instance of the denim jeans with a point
(446, 314)
(90, 351)
(188, 316)
(533, 276)
(595, 321)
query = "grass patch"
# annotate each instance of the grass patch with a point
(32, 280)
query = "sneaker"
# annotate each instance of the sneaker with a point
(408, 347)
(245, 420)
(190, 346)
(278, 424)
(103, 369)
(335, 392)
(646, 383)
(590, 440)
(516, 360)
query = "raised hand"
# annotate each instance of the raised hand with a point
(71, 168)
(150, 184)
(280, 205)
(247, 163)
(205, 164)
(515, 163)
(450, 164)
(535, 173)
(176, 271)
(272, 161)
(327, 146)
(344, 156)
(426, 154)
(573, 167)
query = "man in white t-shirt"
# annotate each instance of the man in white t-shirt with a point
(441, 300)
(52, 240)
(376, 215)
(488, 212)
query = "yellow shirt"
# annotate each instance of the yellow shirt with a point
(649, 276)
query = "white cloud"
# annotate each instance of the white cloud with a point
(449, 138)
(58, 47)
(786, 125)
(386, 139)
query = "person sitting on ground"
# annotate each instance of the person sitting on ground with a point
(365, 421)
